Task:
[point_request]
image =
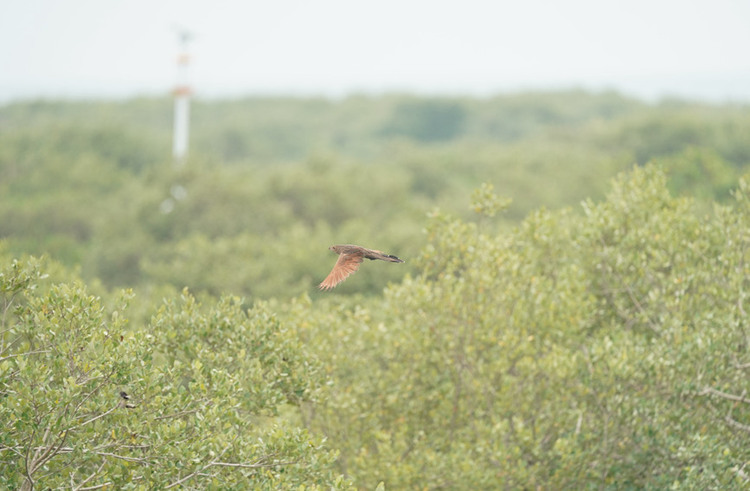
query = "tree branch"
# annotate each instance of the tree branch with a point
(98, 486)
(94, 418)
(736, 424)
(723, 395)
(186, 411)
(80, 485)
(254, 465)
(200, 471)
(39, 453)
(178, 482)
(18, 447)
(122, 457)
(93, 391)
(176, 415)
(3, 358)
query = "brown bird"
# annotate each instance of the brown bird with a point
(350, 257)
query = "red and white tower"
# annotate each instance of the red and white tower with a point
(182, 92)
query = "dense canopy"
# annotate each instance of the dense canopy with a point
(573, 313)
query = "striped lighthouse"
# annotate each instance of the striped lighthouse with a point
(182, 93)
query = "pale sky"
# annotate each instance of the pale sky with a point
(696, 49)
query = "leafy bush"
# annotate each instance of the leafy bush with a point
(603, 350)
(195, 398)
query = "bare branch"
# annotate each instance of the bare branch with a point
(724, 395)
(20, 447)
(80, 486)
(15, 450)
(178, 482)
(200, 471)
(40, 453)
(736, 424)
(137, 447)
(631, 294)
(94, 418)
(47, 451)
(186, 411)
(59, 446)
(176, 415)
(93, 391)
(122, 457)
(3, 358)
(254, 465)
(739, 306)
(730, 397)
(9, 344)
(98, 486)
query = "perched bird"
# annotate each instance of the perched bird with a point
(125, 396)
(350, 257)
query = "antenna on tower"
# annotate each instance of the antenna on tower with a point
(182, 92)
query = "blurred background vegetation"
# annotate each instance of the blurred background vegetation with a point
(272, 182)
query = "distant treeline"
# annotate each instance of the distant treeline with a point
(279, 179)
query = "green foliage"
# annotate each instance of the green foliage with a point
(91, 184)
(426, 121)
(522, 345)
(485, 202)
(700, 173)
(605, 350)
(192, 399)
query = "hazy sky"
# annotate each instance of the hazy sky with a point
(647, 48)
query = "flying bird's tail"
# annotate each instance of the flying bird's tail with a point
(373, 254)
(393, 259)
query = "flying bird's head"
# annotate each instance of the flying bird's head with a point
(337, 249)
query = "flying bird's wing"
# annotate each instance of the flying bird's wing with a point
(346, 264)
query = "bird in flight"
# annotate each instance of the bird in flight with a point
(350, 257)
